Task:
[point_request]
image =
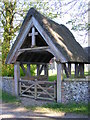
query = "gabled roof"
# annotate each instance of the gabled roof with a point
(87, 50)
(63, 41)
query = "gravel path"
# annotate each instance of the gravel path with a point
(19, 111)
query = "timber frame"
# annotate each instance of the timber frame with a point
(39, 40)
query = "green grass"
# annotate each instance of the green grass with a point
(78, 108)
(54, 77)
(8, 98)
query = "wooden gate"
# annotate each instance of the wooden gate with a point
(38, 89)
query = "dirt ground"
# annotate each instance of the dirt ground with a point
(8, 110)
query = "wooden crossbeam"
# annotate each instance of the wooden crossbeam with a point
(36, 49)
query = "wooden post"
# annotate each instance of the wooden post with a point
(76, 70)
(69, 68)
(35, 89)
(16, 77)
(46, 70)
(66, 70)
(28, 70)
(81, 69)
(41, 68)
(38, 70)
(59, 69)
(55, 90)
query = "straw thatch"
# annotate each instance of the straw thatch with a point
(60, 37)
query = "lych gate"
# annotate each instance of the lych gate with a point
(39, 40)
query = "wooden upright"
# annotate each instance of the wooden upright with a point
(59, 74)
(16, 77)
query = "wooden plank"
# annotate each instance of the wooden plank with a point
(41, 69)
(35, 89)
(44, 48)
(27, 89)
(28, 69)
(16, 77)
(76, 70)
(24, 70)
(20, 88)
(55, 90)
(38, 70)
(21, 40)
(59, 68)
(81, 69)
(44, 90)
(66, 70)
(69, 68)
(46, 70)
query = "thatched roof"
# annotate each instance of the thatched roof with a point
(87, 50)
(59, 35)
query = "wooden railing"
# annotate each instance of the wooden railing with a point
(38, 89)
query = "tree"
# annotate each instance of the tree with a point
(12, 12)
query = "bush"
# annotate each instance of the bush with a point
(8, 70)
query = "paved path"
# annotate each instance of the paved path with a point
(17, 111)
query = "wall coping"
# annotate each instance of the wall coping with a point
(5, 77)
(87, 79)
(76, 80)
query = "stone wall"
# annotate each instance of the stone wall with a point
(8, 85)
(72, 90)
(76, 90)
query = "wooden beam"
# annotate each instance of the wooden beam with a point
(38, 70)
(59, 69)
(21, 38)
(16, 77)
(76, 70)
(36, 63)
(66, 70)
(28, 69)
(36, 49)
(81, 69)
(46, 70)
(41, 69)
(69, 68)
(24, 70)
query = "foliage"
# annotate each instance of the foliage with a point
(12, 13)
(8, 14)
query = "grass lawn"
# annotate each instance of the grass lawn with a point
(8, 98)
(54, 77)
(79, 108)
(55, 107)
